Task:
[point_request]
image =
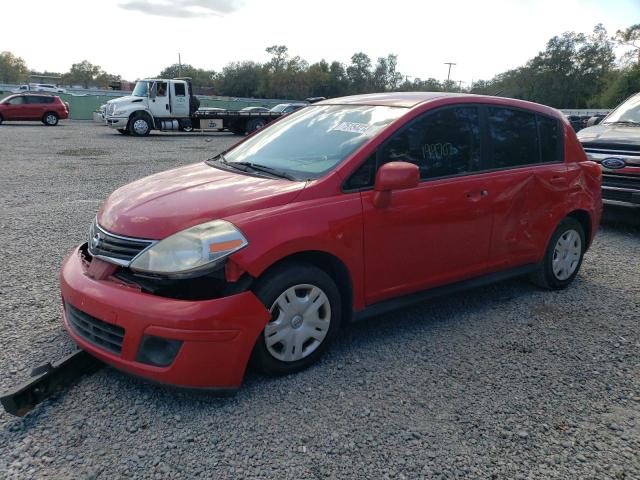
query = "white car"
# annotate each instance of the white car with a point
(47, 87)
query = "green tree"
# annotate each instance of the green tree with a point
(630, 38)
(83, 73)
(199, 77)
(12, 69)
(359, 73)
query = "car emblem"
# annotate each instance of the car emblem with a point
(96, 240)
(613, 163)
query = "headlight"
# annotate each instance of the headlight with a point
(196, 248)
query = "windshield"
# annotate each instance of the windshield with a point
(629, 112)
(141, 90)
(280, 107)
(312, 141)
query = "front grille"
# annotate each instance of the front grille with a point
(102, 334)
(115, 248)
(620, 180)
(621, 196)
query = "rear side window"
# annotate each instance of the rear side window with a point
(514, 138)
(443, 143)
(179, 89)
(550, 132)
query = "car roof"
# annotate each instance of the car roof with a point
(413, 99)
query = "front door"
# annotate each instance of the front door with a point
(159, 105)
(438, 232)
(15, 109)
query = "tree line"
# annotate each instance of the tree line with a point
(575, 70)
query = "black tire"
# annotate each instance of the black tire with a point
(237, 129)
(256, 124)
(123, 131)
(135, 125)
(50, 119)
(269, 288)
(1, 119)
(545, 277)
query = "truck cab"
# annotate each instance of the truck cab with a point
(154, 103)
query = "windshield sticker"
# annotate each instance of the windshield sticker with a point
(351, 127)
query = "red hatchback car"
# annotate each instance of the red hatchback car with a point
(45, 108)
(341, 210)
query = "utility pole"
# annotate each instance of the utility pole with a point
(179, 65)
(449, 74)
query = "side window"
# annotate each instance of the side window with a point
(162, 89)
(35, 100)
(443, 143)
(550, 133)
(16, 101)
(179, 89)
(514, 138)
(364, 176)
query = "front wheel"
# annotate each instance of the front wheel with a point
(305, 308)
(50, 119)
(139, 126)
(563, 256)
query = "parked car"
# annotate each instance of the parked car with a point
(595, 119)
(21, 89)
(342, 210)
(287, 107)
(578, 122)
(46, 108)
(615, 144)
(47, 87)
(254, 109)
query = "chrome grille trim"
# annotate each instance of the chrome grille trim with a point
(116, 249)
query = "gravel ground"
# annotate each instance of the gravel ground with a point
(504, 382)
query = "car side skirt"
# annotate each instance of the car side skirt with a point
(386, 306)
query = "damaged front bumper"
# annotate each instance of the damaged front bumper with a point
(196, 344)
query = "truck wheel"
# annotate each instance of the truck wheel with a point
(256, 124)
(50, 119)
(123, 131)
(139, 126)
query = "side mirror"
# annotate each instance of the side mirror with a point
(394, 176)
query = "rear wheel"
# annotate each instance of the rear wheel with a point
(256, 124)
(305, 308)
(139, 125)
(50, 119)
(563, 256)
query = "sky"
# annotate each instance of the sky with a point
(138, 38)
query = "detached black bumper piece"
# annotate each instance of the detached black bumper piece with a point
(47, 380)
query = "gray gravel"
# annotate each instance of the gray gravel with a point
(504, 382)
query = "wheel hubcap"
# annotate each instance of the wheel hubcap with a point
(566, 254)
(140, 126)
(300, 320)
(51, 119)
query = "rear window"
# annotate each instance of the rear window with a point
(179, 89)
(550, 133)
(514, 138)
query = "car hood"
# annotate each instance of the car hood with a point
(612, 134)
(157, 206)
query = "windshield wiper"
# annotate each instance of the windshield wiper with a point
(263, 168)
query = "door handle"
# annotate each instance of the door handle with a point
(166, 107)
(476, 195)
(557, 180)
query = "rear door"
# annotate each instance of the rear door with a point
(438, 232)
(35, 107)
(528, 184)
(179, 99)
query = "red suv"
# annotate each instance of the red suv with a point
(46, 108)
(341, 210)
